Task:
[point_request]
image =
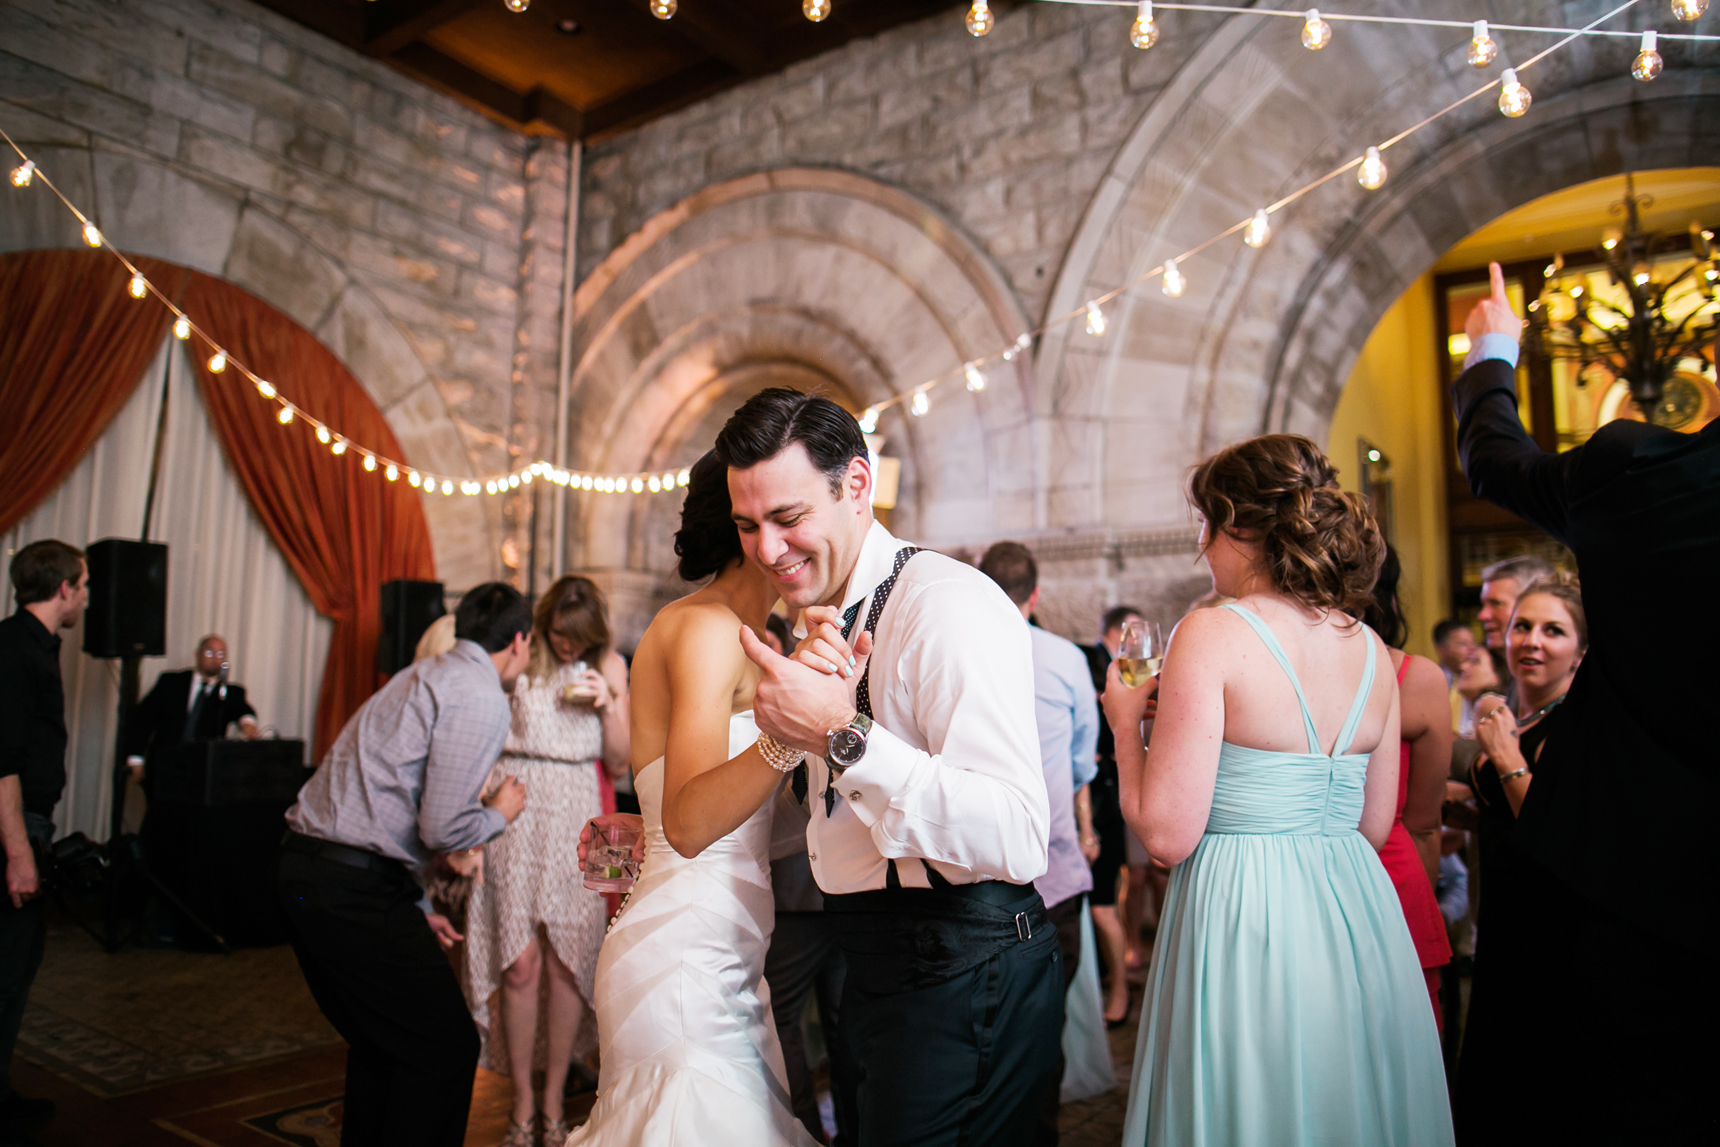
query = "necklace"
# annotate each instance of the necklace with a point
(1542, 711)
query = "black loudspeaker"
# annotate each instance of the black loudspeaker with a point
(127, 615)
(408, 608)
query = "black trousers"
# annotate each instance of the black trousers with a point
(1065, 916)
(804, 958)
(935, 1057)
(23, 935)
(385, 984)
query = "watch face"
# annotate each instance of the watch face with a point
(847, 746)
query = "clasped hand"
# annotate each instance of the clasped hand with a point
(803, 696)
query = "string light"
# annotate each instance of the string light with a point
(370, 461)
(1372, 173)
(339, 447)
(816, 11)
(979, 18)
(23, 173)
(265, 389)
(1316, 33)
(92, 234)
(637, 486)
(975, 380)
(1174, 281)
(1689, 9)
(1259, 230)
(683, 477)
(218, 362)
(412, 478)
(1610, 238)
(1514, 98)
(324, 436)
(1648, 63)
(139, 286)
(490, 486)
(1144, 33)
(392, 472)
(920, 405)
(1095, 319)
(447, 486)
(182, 327)
(1483, 48)
(663, 9)
(517, 5)
(1021, 343)
(653, 483)
(285, 416)
(869, 421)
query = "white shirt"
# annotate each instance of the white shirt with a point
(951, 773)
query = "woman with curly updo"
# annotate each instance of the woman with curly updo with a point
(1285, 1003)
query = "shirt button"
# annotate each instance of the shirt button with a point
(812, 856)
(855, 795)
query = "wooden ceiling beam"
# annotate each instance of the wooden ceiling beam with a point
(538, 106)
(392, 24)
(717, 29)
(652, 100)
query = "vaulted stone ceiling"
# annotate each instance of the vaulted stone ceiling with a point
(586, 69)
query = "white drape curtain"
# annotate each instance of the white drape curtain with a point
(224, 575)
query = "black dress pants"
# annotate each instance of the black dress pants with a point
(23, 935)
(804, 958)
(385, 984)
(1065, 916)
(933, 1060)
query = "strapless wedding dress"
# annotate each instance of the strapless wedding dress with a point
(690, 1054)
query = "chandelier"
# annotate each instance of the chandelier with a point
(1655, 311)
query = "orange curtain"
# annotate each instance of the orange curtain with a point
(73, 344)
(343, 529)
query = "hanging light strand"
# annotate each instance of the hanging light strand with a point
(289, 413)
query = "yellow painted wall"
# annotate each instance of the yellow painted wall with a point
(1392, 399)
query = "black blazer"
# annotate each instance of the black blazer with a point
(158, 724)
(1625, 812)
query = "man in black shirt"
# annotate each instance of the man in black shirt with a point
(52, 587)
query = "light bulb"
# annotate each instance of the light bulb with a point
(339, 446)
(286, 415)
(490, 486)
(1648, 62)
(1514, 98)
(1372, 173)
(637, 486)
(669, 480)
(265, 388)
(370, 461)
(324, 436)
(1483, 48)
(1689, 9)
(24, 173)
(1174, 281)
(182, 327)
(138, 287)
(979, 18)
(1610, 238)
(663, 9)
(1095, 319)
(869, 420)
(517, 5)
(683, 477)
(1145, 32)
(975, 380)
(447, 486)
(920, 404)
(513, 481)
(815, 10)
(92, 235)
(1022, 342)
(412, 478)
(653, 483)
(1316, 33)
(218, 362)
(1259, 230)
(1639, 273)
(392, 473)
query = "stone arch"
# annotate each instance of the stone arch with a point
(1262, 340)
(805, 277)
(153, 208)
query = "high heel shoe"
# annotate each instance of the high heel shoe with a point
(522, 1134)
(555, 1132)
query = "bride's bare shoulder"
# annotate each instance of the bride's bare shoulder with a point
(694, 622)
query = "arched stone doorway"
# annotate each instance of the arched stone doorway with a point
(811, 278)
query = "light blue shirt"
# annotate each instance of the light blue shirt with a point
(1068, 719)
(1493, 346)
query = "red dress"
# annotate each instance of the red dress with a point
(1403, 865)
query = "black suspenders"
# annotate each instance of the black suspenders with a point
(863, 692)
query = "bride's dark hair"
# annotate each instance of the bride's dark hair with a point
(707, 541)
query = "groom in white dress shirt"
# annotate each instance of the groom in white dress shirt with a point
(929, 816)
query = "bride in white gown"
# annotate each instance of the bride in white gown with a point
(689, 1050)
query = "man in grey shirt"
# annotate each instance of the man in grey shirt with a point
(402, 783)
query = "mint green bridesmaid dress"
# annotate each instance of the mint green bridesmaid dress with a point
(1285, 1004)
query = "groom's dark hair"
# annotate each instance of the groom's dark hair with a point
(773, 420)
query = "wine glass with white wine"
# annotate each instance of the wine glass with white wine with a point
(1140, 652)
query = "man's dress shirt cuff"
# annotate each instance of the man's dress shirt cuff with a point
(1493, 346)
(883, 772)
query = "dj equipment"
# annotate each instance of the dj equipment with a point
(408, 608)
(127, 614)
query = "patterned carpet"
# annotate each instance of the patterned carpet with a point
(121, 1023)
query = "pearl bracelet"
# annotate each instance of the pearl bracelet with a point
(778, 755)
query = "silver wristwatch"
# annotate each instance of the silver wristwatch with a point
(847, 744)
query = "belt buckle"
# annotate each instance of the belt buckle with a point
(1023, 929)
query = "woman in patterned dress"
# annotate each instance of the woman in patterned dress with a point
(533, 931)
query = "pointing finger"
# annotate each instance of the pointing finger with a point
(1496, 274)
